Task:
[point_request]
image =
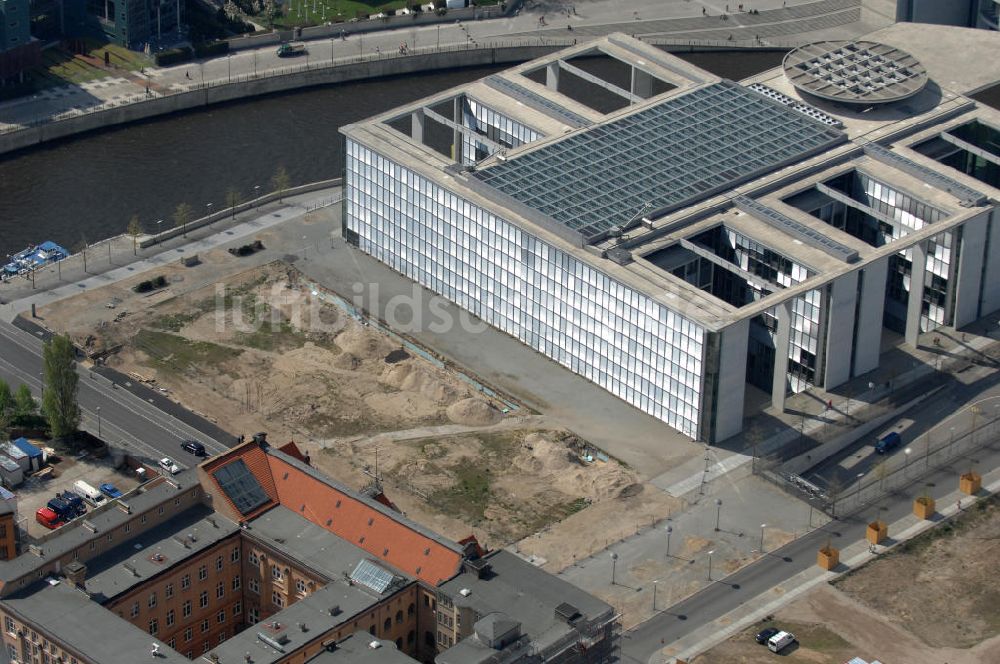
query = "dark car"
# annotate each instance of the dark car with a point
(194, 447)
(765, 634)
(110, 490)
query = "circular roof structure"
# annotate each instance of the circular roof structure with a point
(855, 72)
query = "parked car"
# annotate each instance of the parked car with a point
(780, 641)
(765, 634)
(194, 447)
(167, 464)
(75, 501)
(94, 497)
(888, 442)
(110, 490)
(48, 518)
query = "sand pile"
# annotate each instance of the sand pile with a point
(473, 412)
(561, 467)
(363, 343)
(414, 378)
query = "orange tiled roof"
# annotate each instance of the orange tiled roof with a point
(348, 517)
(256, 461)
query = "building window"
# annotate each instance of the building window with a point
(188, 634)
(186, 581)
(9, 626)
(253, 615)
(221, 616)
(234, 555)
(300, 586)
(237, 608)
(275, 573)
(218, 564)
(277, 599)
(222, 637)
(202, 573)
(168, 590)
(236, 582)
(186, 608)
(411, 609)
(152, 599)
(253, 557)
(205, 625)
(170, 618)
(428, 638)
(128, 527)
(142, 519)
(387, 625)
(254, 586)
(203, 599)
(399, 617)
(411, 637)
(153, 626)
(172, 643)
(135, 609)
(205, 647)
(220, 589)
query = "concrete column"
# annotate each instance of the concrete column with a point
(417, 125)
(731, 380)
(779, 384)
(991, 283)
(840, 329)
(552, 75)
(868, 327)
(456, 135)
(916, 299)
(968, 279)
(642, 83)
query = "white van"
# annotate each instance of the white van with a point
(89, 493)
(780, 641)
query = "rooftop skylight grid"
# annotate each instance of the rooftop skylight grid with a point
(665, 155)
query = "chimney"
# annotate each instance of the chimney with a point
(76, 573)
(260, 439)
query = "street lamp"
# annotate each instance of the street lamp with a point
(208, 210)
(860, 475)
(951, 443)
(654, 593)
(98, 421)
(710, 564)
(256, 194)
(670, 530)
(614, 563)
(762, 527)
(718, 512)
(305, 248)
(906, 466)
(158, 240)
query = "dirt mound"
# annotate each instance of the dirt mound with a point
(473, 412)
(347, 361)
(309, 355)
(414, 378)
(560, 466)
(363, 343)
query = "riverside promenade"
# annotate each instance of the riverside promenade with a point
(537, 29)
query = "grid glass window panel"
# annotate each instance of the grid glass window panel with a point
(372, 576)
(620, 339)
(241, 486)
(669, 154)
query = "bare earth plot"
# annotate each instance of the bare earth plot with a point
(256, 351)
(934, 600)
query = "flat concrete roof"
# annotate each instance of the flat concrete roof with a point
(362, 648)
(155, 551)
(945, 54)
(527, 594)
(312, 545)
(68, 616)
(297, 625)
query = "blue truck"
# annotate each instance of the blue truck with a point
(888, 442)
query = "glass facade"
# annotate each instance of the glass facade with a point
(637, 349)
(493, 125)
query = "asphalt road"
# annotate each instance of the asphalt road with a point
(749, 583)
(113, 413)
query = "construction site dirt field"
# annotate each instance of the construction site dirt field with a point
(932, 600)
(261, 350)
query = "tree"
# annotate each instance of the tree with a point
(81, 248)
(59, 398)
(134, 231)
(24, 402)
(6, 406)
(182, 216)
(280, 181)
(233, 199)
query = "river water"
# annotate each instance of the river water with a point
(87, 188)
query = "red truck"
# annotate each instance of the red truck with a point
(48, 518)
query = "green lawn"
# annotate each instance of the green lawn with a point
(307, 12)
(175, 354)
(118, 56)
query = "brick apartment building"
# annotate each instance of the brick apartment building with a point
(256, 558)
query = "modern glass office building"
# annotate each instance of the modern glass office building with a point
(701, 240)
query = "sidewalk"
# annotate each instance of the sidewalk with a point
(851, 557)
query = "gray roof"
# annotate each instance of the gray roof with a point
(528, 594)
(357, 649)
(668, 155)
(74, 535)
(312, 612)
(312, 545)
(155, 551)
(67, 616)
